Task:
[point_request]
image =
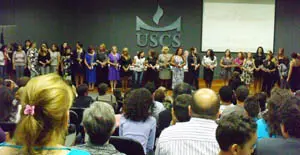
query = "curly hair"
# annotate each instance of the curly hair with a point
(137, 103)
(272, 117)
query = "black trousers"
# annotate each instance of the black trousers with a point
(192, 78)
(268, 82)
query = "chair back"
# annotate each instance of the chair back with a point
(127, 145)
(79, 112)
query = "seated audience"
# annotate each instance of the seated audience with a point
(105, 97)
(159, 97)
(165, 117)
(82, 100)
(269, 125)
(197, 136)
(180, 111)
(119, 97)
(252, 108)
(99, 123)
(44, 118)
(136, 122)
(2, 136)
(236, 135)
(235, 81)
(262, 99)
(21, 82)
(289, 126)
(6, 99)
(241, 94)
(225, 94)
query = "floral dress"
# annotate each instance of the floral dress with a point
(178, 73)
(247, 75)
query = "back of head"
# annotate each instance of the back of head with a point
(226, 94)
(235, 130)
(44, 115)
(99, 122)
(251, 106)
(278, 97)
(205, 104)
(182, 88)
(22, 81)
(137, 103)
(160, 95)
(290, 117)
(102, 88)
(150, 86)
(181, 107)
(242, 93)
(262, 99)
(82, 89)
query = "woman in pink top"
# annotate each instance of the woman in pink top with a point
(238, 62)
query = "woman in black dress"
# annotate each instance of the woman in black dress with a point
(268, 70)
(259, 58)
(282, 67)
(294, 73)
(125, 73)
(78, 69)
(194, 63)
(102, 68)
(151, 75)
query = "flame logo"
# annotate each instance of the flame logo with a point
(158, 14)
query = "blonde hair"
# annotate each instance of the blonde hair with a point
(125, 50)
(52, 99)
(103, 45)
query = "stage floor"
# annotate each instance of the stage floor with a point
(216, 85)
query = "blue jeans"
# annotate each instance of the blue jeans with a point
(19, 71)
(138, 77)
(3, 72)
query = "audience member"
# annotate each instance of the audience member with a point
(44, 118)
(99, 123)
(235, 81)
(2, 136)
(262, 99)
(241, 94)
(236, 135)
(269, 125)
(180, 110)
(225, 94)
(6, 98)
(119, 97)
(105, 97)
(165, 117)
(136, 122)
(159, 96)
(196, 137)
(289, 126)
(252, 108)
(82, 100)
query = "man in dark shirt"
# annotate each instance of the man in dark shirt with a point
(290, 127)
(6, 98)
(83, 100)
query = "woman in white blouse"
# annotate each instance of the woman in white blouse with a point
(138, 63)
(209, 63)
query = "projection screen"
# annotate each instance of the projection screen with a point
(238, 25)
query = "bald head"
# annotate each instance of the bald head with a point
(205, 103)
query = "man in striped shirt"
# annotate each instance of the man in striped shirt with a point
(196, 137)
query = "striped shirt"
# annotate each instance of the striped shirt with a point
(196, 137)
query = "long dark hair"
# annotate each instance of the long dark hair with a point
(212, 54)
(262, 52)
(139, 54)
(227, 50)
(177, 51)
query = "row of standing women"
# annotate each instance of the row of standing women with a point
(102, 66)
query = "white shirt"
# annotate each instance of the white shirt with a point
(54, 58)
(1, 58)
(223, 107)
(158, 107)
(139, 64)
(196, 137)
(207, 61)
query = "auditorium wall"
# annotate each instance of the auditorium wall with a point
(114, 22)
